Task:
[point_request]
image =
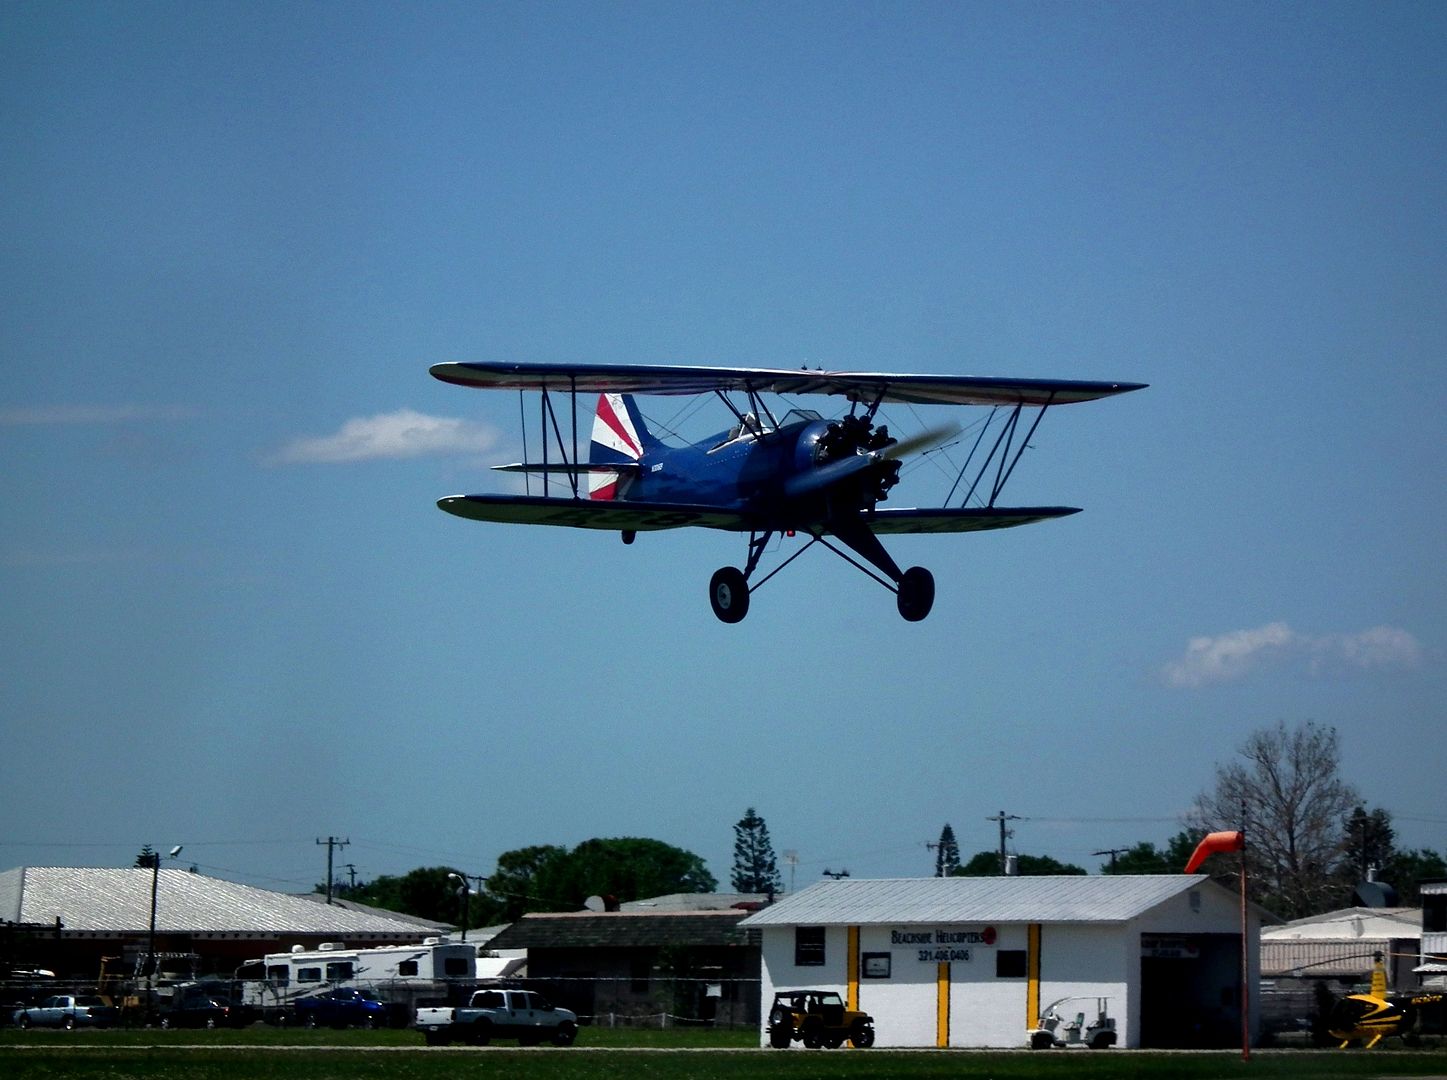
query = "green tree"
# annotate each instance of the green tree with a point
(1406, 870)
(546, 877)
(755, 868)
(527, 879)
(947, 853)
(1368, 841)
(987, 864)
(1146, 858)
(426, 892)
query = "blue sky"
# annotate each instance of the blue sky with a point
(236, 235)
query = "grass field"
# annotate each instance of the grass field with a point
(603, 1055)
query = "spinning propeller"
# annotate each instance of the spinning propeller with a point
(854, 447)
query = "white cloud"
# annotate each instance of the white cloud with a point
(401, 434)
(1237, 654)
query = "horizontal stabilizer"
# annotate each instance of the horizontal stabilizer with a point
(568, 468)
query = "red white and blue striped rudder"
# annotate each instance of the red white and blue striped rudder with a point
(616, 440)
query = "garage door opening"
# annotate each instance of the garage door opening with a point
(1190, 991)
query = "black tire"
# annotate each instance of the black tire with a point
(437, 1038)
(916, 594)
(1041, 1040)
(728, 592)
(68, 1023)
(1103, 1041)
(813, 1036)
(22, 1021)
(311, 1021)
(566, 1034)
(481, 1033)
(862, 1037)
(780, 1037)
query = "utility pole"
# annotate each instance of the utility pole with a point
(332, 844)
(1005, 833)
(352, 877)
(1112, 852)
(791, 857)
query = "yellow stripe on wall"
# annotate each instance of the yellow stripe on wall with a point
(1032, 973)
(851, 980)
(942, 1006)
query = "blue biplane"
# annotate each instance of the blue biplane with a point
(765, 476)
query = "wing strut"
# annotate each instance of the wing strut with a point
(548, 418)
(1006, 465)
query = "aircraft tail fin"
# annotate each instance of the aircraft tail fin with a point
(620, 437)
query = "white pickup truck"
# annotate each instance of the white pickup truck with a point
(499, 1014)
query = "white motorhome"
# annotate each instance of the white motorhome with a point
(396, 973)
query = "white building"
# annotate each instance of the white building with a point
(974, 961)
(1433, 968)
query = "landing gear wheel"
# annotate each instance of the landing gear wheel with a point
(916, 593)
(728, 592)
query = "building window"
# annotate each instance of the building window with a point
(407, 967)
(808, 946)
(874, 965)
(1434, 913)
(1010, 964)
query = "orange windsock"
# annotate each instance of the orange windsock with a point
(1214, 842)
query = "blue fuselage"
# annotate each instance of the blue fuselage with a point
(747, 473)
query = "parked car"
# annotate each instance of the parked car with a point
(201, 1008)
(817, 1018)
(346, 1006)
(68, 1011)
(499, 1014)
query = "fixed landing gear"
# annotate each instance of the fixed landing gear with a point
(914, 589)
(728, 592)
(916, 593)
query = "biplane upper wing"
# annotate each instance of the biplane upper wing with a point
(856, 386)
(589, 513)
(952, 519)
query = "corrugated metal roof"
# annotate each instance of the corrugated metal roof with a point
(625, 929)
(118, 900)
(860, 902)
(1350, 924)
(1283, 958)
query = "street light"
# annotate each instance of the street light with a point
(464, 889)
(155, 860)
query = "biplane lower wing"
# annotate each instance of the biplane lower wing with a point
(952, 519)
(590, 514)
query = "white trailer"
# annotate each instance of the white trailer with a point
(400, 974)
